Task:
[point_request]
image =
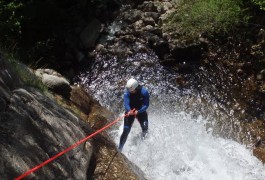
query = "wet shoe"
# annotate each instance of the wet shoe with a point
(144, 135)
(120, 148)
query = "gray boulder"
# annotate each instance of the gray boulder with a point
(54, 81)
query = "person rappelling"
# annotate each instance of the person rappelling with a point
(136, 102)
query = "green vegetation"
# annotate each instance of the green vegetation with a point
(24, 73)
(192, 18)
(260, 3)
(10, 21)
(41, 31)
(29, 77)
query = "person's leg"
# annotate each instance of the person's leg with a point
(128, 121)
(143, 120)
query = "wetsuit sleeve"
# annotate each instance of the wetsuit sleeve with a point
(127, 102)
(146, 101)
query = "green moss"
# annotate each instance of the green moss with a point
(260, 3)
(192, 18)
(24, 73)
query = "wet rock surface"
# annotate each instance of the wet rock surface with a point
(224, 68)
(229, 70)
(211, 67)
(35, 127)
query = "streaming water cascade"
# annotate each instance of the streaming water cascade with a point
(181, 143)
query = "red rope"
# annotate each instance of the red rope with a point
(68, 149)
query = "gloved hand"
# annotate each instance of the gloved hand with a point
(132, 112)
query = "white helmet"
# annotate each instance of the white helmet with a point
(132, 84)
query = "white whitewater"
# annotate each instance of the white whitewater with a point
(178, 146)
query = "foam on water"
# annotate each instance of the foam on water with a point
(178, 146)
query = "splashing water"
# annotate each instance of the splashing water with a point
(178, 145)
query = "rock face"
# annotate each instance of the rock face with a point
(90, 33)
(140, 28)
(34, 128)
(54, 81)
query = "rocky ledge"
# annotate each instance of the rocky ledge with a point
(37, 125)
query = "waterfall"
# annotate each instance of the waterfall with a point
(181, 143)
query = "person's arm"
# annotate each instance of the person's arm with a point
(146, 101)
(127, 102)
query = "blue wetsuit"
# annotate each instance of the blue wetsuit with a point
(140, 102)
